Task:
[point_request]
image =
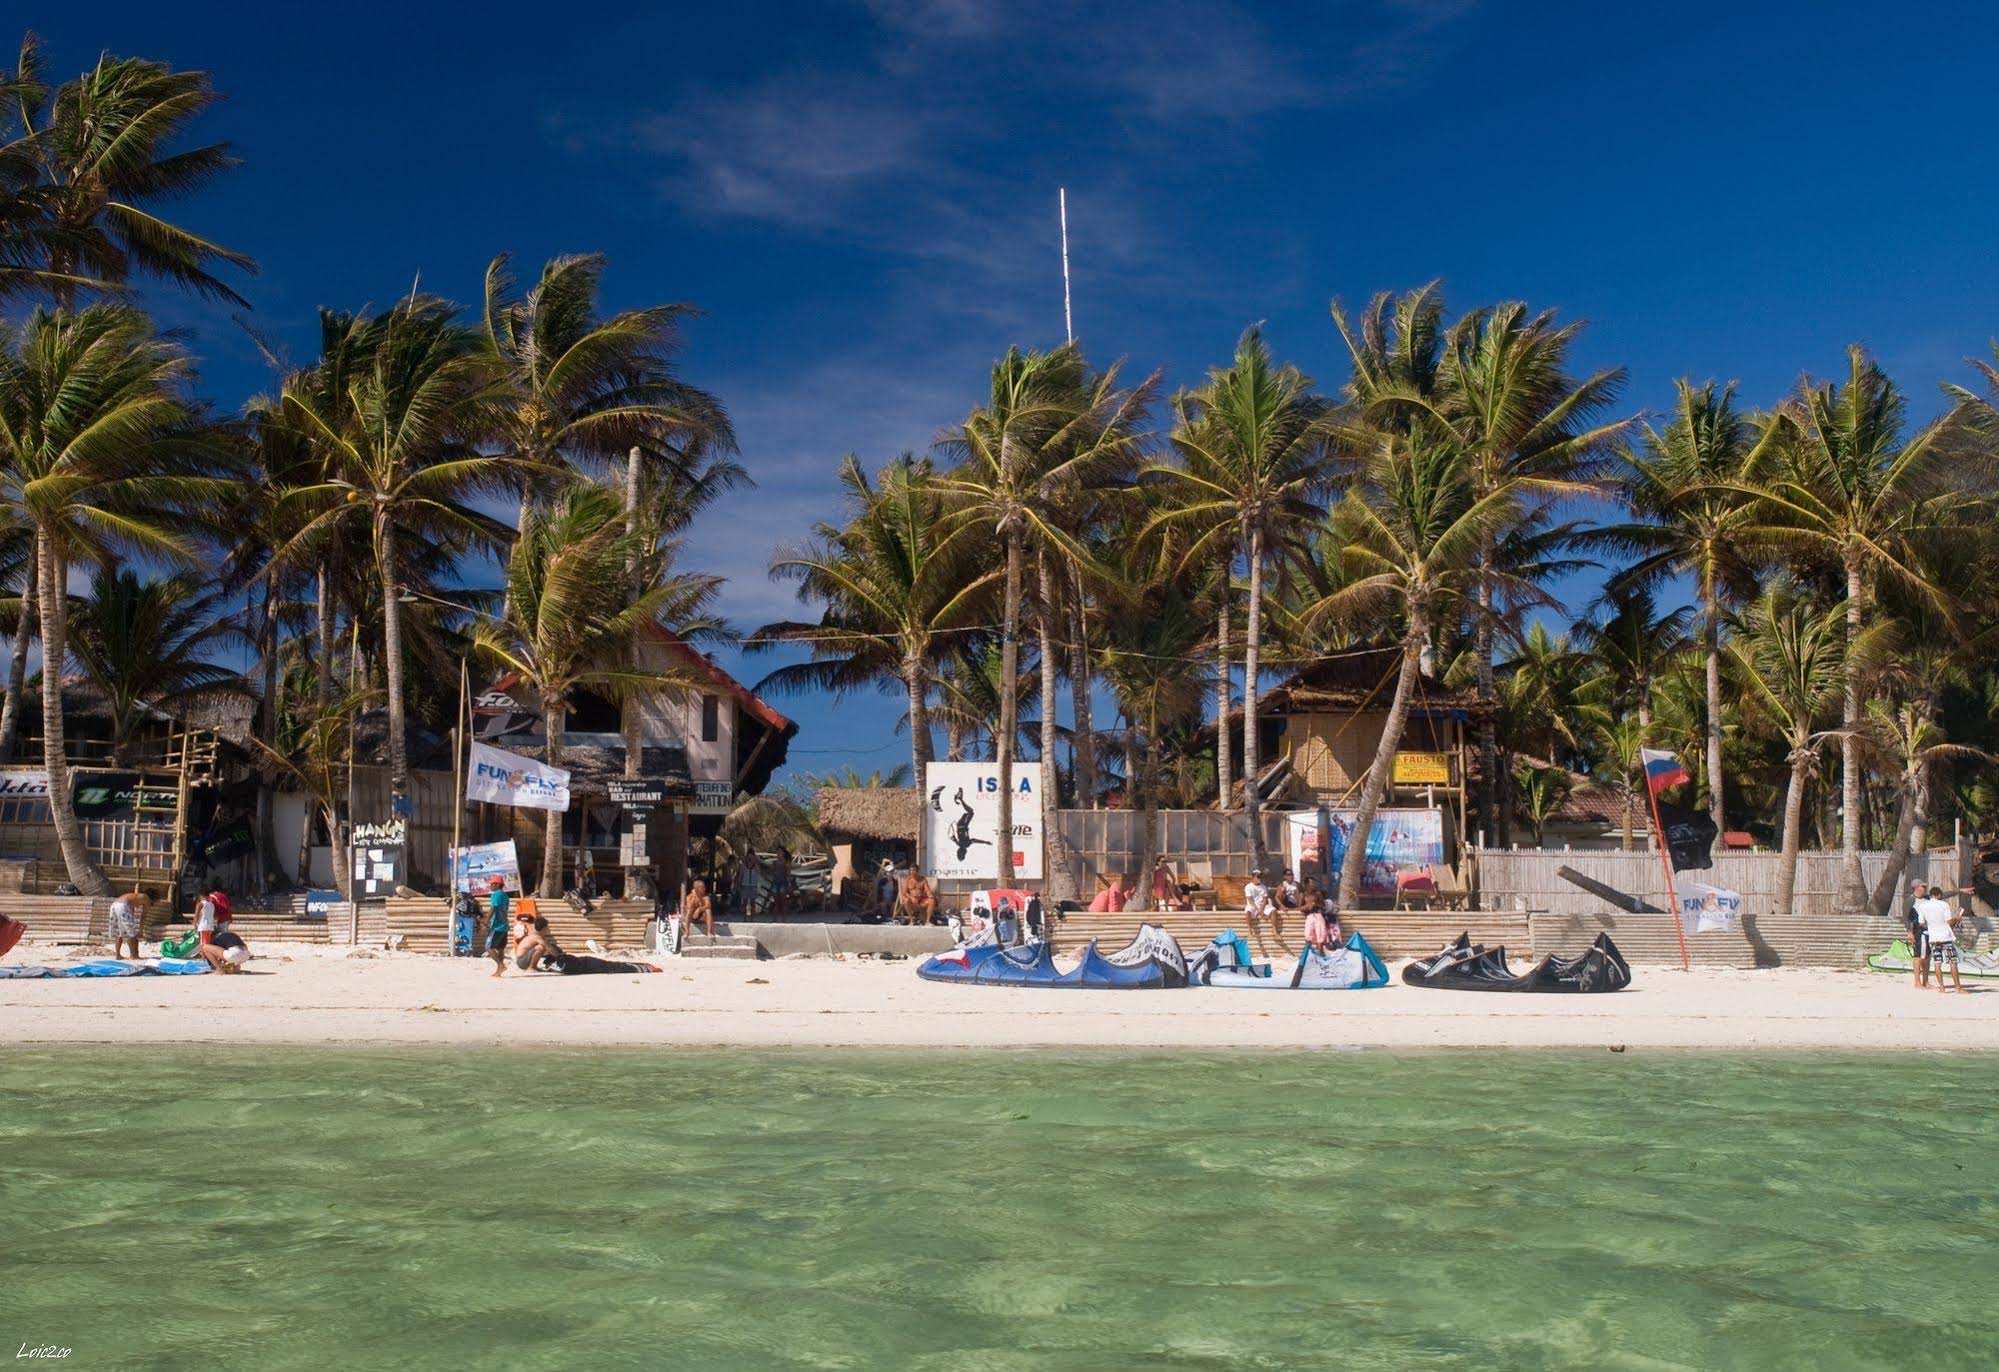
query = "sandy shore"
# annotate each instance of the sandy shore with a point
(328, 995)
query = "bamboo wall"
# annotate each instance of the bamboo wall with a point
(1511, 878)
(1114, 840)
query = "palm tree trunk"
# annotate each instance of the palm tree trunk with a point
(1354, 865)
(1252, 803)
(1488, 724)
(551, 753)
(1056, 857)
(84, 874)
(1141, 886)
(17, 666)
(1082, 742)
(1630, 812)
(323, 607)
(392, 653)
(916, 680)
(1222, 691)
(267, 730)
(1794, 812)
(1906, 807)
(1003, 739)
(1711, 644)
(628, 708)
(1852, 892)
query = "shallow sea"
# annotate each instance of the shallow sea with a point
(205, 1208)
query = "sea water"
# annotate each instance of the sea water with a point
(188, 1206)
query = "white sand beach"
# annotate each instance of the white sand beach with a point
(317, 995)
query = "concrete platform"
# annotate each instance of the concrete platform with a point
(824, 940)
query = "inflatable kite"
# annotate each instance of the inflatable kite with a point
(1466, 966)
(111, 967)
(1901, 958)
(1226, 962)
(1151, 961)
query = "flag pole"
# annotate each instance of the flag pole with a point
(1666, 862)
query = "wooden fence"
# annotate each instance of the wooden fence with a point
(1114, 840)
(1510, 878)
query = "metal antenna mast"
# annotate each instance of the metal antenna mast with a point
(1068, 321)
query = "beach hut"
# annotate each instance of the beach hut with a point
(863, 825)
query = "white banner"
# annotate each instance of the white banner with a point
(509, 779)
(961, 821)
(477, 864)
(24, 784)
(1705, 909)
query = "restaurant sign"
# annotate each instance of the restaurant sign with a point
(1422, 769)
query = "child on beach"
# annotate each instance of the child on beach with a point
(496, 928)
(220, 947)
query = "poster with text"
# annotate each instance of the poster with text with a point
(478, 863)
(961, 821)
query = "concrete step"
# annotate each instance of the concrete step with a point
(744, 950)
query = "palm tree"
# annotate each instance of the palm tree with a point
(1634, 645)
(1542, 791)
(1250, 476)
(17, 567)
(1153, 667)
(1048, 427)
(99, 453)
(572, 622)
(400, 443)
(1683, 486)
(145, 645)
(100, 155)
(1840, 482)
(1790, 660)
(1414, 528)
(895, 584)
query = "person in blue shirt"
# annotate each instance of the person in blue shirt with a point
(496, 929)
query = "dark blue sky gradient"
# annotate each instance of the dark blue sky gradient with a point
(862, 196)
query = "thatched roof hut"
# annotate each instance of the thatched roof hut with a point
(879, 814)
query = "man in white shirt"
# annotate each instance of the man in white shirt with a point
(1940, 926)
(1257, 907)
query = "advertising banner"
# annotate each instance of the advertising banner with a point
(960, 828)
(1705, 909)
(111, 795)
(506, 778)
(1400, 841)
(475, 865)
(22, 783)
(712, 798)
(379, 849)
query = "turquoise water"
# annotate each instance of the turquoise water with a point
(445, 1209)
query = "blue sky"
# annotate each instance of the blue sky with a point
(861, 196)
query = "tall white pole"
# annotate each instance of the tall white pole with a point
(1068, 321)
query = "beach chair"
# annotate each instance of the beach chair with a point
(1198, 875)
(1452, 891)
(1415, 890)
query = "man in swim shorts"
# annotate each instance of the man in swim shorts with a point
(497, 904)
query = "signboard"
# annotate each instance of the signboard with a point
(112, 795)
(960, 829)
(475, 865)
(1400, 841)
(378, 850)
(636, 793)
(20, 783)
(712, 798)
(1422, 769)
(321, 904)
(506, 778)
(1704, 908)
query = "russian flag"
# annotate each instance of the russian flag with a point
(1662, 769)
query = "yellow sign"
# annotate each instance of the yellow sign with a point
(1422, 769)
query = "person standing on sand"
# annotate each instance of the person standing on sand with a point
(497, 905)
(1940, 923)
(127, 919)
(220, 947)
(1259, 909)
(1919, 955)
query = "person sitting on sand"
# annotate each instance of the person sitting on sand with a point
(699, 909)
(538, 949)
(497, 904)
(1166, 893)
(127, 919)
(918, 903)
(533, 942)
(1113, 898)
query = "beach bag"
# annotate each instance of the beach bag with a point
(222, 911)
(181, 947)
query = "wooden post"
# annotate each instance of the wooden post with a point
(1666, 862)
(451, 859)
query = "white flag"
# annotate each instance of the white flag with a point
(1705, 909)
(510, 779)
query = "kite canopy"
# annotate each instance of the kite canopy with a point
(1466, 966)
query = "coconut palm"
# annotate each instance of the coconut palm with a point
(1683, 485)
(400, 446)
(1634, 645)
(1250, 475)
(101, 454)
(1153, 667)
(1789, 658)
(1048, 427)
(1543, 789)
(572, 622)
(894, 584)
(146, 646)
(1414, 529)
(17, 568)
(100, 149)
(1842, 482)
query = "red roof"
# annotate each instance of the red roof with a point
(744, 696)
